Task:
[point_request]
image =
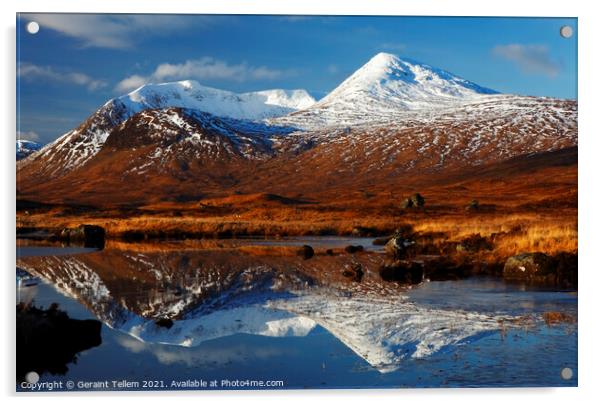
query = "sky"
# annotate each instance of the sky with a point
(77, 62)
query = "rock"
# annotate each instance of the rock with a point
(354, 272)
(442, 268)
(92, 236)
(537, 267)
(566, 271)
(164, 323)
(402, 272)
(404, 230)
(306, 251)
(329, 252)
(473, 206)
(406, 203)
(354, 249)
(64, 235)
(397, 247)
(48, 340)
(417, 200)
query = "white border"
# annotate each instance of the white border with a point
(590, 147)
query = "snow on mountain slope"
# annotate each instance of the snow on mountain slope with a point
(391, 112)
(382, 328)
(386, 331)
(162, 137)
(387, 85)
(479, 131)
(404, 83)
(190, 94)
(26, 148)
(77, 146)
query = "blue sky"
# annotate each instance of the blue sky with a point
(75, 63)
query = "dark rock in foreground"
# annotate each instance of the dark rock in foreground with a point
(529, 266)
(442, 268)
(402, 272)
(48, 340)
(539, 268)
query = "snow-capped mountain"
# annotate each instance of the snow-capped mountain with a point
(392, 116)
(402, 84)
(77, 146)
(26, 148)
(385, 86)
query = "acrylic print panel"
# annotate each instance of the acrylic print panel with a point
(280, 202)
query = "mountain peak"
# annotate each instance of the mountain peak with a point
(382, 58)
(387, 76)
(384, 86)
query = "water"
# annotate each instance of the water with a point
(30, 251)
(279, 319)
(331, 242)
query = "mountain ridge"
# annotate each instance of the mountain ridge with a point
(387, 85)
(182, 148)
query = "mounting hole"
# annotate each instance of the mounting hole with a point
(33, 27)
(566, 373)
(566, 31)
(32, 377)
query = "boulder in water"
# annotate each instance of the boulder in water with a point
(92, 236)
(530, 267)
(306, 251)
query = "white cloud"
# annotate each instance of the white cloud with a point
(113, 30)
(529, 58)
(205, 68)
(28, 135)
(31, 72)
(130, 83)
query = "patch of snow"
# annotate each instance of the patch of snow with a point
(26, 148)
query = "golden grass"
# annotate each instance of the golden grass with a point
(512, 232)
(279, 223)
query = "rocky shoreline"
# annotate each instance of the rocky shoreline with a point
(409, 257)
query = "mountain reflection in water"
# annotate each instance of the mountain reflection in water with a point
(185, 295)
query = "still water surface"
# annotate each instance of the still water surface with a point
(266, 326)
